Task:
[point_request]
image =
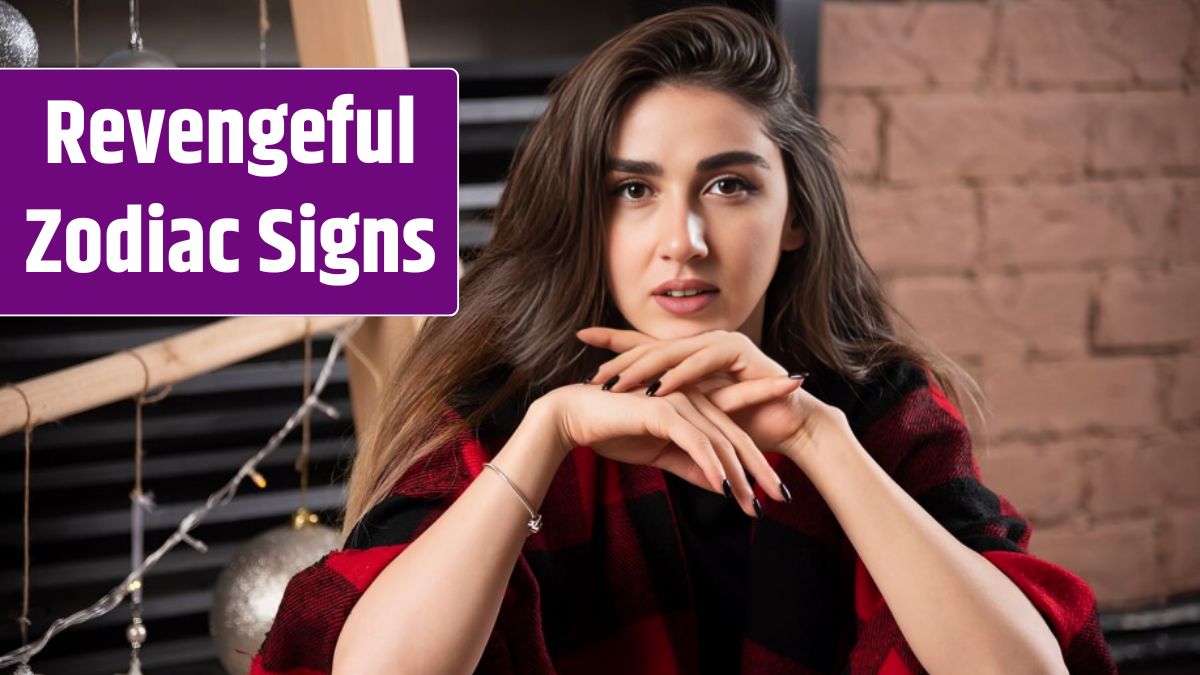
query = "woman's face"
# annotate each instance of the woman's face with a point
(697, 192)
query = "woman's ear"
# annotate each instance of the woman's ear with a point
(794, 236)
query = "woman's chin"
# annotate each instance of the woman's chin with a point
(674, 329)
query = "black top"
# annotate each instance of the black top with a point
(716, 541)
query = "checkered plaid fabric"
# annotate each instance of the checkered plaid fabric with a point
(604, 587)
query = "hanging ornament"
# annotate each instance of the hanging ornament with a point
(135, 56)
(250, 588)
(140, 503)
(18, 44)
(135, 633)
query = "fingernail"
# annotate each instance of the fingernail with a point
(727, 488)
(799, 376)
(758, 508)
(612, 381)
(653, 387)
(591, 376)
(787, 494)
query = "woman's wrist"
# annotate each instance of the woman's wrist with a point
(544, 414)
(531, 456)
(827, 434)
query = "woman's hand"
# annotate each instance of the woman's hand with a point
(712, 362)
(685, 432)
(674, 363)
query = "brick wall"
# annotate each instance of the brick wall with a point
(1025, 175)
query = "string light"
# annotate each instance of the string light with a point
(221, 497)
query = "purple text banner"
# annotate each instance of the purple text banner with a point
(229, 192)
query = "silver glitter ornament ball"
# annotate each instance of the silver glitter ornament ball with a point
(18, 44)
(132, 57)
(249, 590)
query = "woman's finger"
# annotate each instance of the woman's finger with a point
(644, 363)
(664, 421)
(616, 365)
(749, 454)
(735, 472)
(743, 395)
(715, 358)
(677, 460)
(612, 339)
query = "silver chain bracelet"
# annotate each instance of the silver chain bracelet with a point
(535, 519)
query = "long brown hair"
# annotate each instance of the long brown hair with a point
(541, 277)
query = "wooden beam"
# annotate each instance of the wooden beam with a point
(349, 33)
(360, 34)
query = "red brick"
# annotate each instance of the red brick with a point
(1187, 245)
(915, 229)
(1191, 65)
(1148, 308)
(1183, 400)
(1116, 559)
(894, 45)
(1178, 476)
(1138, 476)
(1181, 550)
(1041, 312)
(1144, 131)
(953, 313)
(1092, 42)
(1044, 482)
(1069, 396)
(1082, 222)
(1048, 309)
(855, 121)
(1123, 476)
(950, 136)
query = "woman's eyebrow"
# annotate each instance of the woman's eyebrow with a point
(634, 166)
(720, 161)
(731, 159)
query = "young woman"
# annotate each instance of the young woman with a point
(601, 463)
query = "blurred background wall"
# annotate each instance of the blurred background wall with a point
(1026, 175)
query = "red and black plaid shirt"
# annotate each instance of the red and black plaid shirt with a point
(605, 586)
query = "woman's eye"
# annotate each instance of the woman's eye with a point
(730, 186)
(633, 191)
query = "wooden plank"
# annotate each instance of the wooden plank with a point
(349, 33)
(120, 376)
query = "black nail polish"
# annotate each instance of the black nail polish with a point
(653, 387)
(787, 494)
(727, 488)
(800, 375)
(611, 381)
(758, 508)
(590, 377)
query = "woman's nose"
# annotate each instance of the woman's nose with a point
(681, 232)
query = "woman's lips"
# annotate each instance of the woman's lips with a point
(688, 305)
